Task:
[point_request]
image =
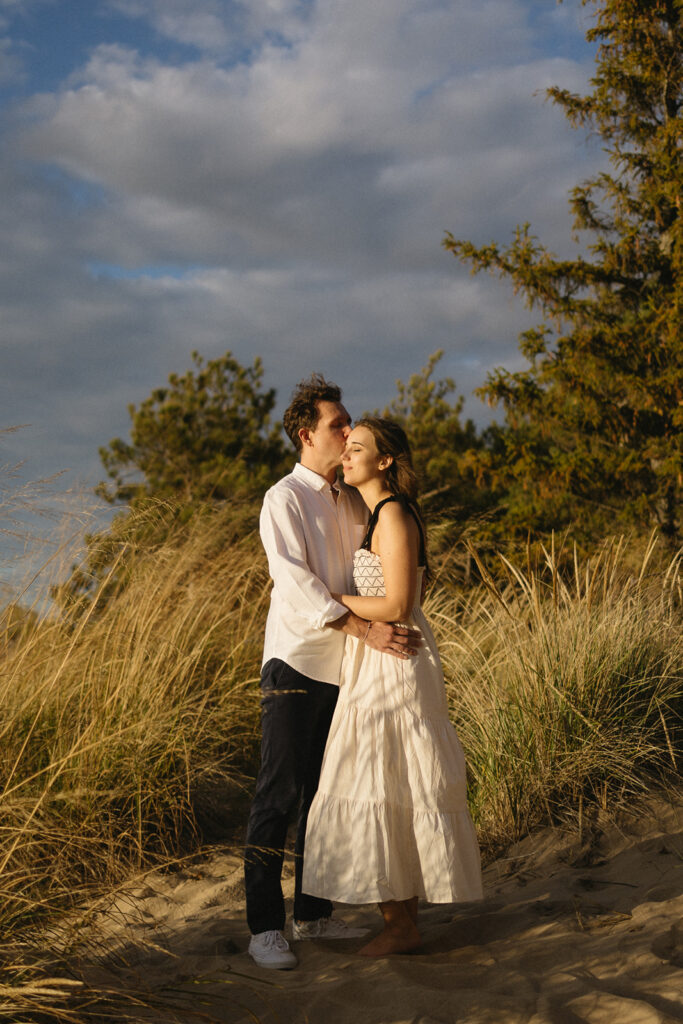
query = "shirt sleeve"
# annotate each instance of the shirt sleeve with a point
(282, 534)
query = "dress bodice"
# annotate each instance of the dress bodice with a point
(368, 577)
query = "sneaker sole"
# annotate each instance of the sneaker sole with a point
(274, 967)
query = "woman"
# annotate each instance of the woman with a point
(389, 822)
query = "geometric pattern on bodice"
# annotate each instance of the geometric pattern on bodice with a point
(367, 574)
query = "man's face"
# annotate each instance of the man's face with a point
(329, 435)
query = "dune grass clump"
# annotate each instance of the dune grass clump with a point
(123, 726)
(129, 716)
(566, 686)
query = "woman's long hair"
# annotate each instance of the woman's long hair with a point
(391, 439)
(401, 478)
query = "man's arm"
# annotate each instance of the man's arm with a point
(399, 641)
(282, 535)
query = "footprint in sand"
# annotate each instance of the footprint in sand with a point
(670, 946)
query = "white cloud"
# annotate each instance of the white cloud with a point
(301, 192)
(278, 158)
(218, 27)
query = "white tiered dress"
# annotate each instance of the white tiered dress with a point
(390, 818)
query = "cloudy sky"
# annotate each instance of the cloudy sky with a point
(273, 177)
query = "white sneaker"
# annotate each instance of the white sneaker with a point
(271, 949)
(326, 928)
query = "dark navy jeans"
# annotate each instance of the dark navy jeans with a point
(296, 713)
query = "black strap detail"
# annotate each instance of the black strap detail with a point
(367, 540)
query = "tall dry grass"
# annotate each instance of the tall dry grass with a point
(123, 728)
(565, 684)
(127, 728)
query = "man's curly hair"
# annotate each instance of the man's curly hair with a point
(303, 410)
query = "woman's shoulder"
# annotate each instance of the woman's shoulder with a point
(397, 513)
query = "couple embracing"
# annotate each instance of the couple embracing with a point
(355, 728)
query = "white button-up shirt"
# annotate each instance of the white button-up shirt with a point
(309, 539)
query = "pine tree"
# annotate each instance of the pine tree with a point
(594, 426)
(202, 446)
(441, 443)
(207, 436)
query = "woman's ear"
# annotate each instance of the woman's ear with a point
(385, 461)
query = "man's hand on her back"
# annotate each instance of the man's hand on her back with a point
(392, 639)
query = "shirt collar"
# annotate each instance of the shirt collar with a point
(313, 479)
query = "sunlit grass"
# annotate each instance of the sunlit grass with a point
(129, 721)
(566, 686)
(124, 726)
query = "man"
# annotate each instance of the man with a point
(310, 527)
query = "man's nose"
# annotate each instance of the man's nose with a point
(347, 430)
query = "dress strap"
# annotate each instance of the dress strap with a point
(407, 505)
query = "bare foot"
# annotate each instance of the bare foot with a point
(411, 907)
(393, 940)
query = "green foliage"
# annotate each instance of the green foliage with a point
(442, 445)
(203, 442)
(593, 431)
(205, 437)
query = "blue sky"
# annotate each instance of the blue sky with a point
(50, 39)
(272, 177)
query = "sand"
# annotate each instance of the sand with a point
(570, 931)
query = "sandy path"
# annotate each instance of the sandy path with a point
(567, 934)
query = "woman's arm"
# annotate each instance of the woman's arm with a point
(396, 538)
